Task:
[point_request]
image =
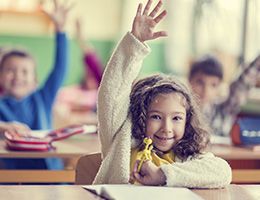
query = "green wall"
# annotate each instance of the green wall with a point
(42, 48)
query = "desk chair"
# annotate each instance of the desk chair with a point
(87, 168)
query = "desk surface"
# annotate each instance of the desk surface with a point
(78, 145)
(229, 152)
(75, 146)
(231, 192)
(85, 144)
(68, 192)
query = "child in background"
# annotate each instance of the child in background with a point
(205, 78)
(158, 107)
(22, 101)
(76, 104)
(93, 65)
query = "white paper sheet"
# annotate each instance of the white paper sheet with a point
(132, 192)
(44, 133)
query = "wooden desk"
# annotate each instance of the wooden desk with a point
(231, 192)
(74, 146)
(69, 149)
(68, 192)
(244, 162)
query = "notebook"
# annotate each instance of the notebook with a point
(133, 192)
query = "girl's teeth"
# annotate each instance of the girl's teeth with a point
(163, 138)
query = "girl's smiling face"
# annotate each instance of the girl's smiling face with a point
(166, 119)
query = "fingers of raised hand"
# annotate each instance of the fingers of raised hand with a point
(139, 10)
(156, 9)
(144, 24)
(159, 34)
(60, 7)
(160, 16)
(147, 7)
(68, 7)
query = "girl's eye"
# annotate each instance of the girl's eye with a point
(155, 117)
(177, 118)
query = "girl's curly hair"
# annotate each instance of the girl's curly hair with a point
(195, 137)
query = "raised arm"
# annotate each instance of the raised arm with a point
(59, 15)
(238, 92)
(81, 40)
(122, 69)
(92, 63)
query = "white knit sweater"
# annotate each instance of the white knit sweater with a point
(204, 171)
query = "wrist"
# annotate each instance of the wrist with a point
(135, 35)
(59, 29)
(162, 177)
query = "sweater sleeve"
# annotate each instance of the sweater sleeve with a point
(113, 96)
(205, 171)
(59, 71)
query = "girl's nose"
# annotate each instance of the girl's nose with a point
(167, 126)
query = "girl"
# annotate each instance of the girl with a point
(158, 107)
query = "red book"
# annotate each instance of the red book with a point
(42, 140)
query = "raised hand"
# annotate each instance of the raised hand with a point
(82, 41)
(144, 23)
(79, 36)
(59, 14)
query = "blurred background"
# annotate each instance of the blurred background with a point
(228, 29)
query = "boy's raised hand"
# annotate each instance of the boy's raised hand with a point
(144, 23)
(59, 14)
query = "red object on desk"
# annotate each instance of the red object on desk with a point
(34, 143)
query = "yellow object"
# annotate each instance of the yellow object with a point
(148, 154)
(145, 154)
